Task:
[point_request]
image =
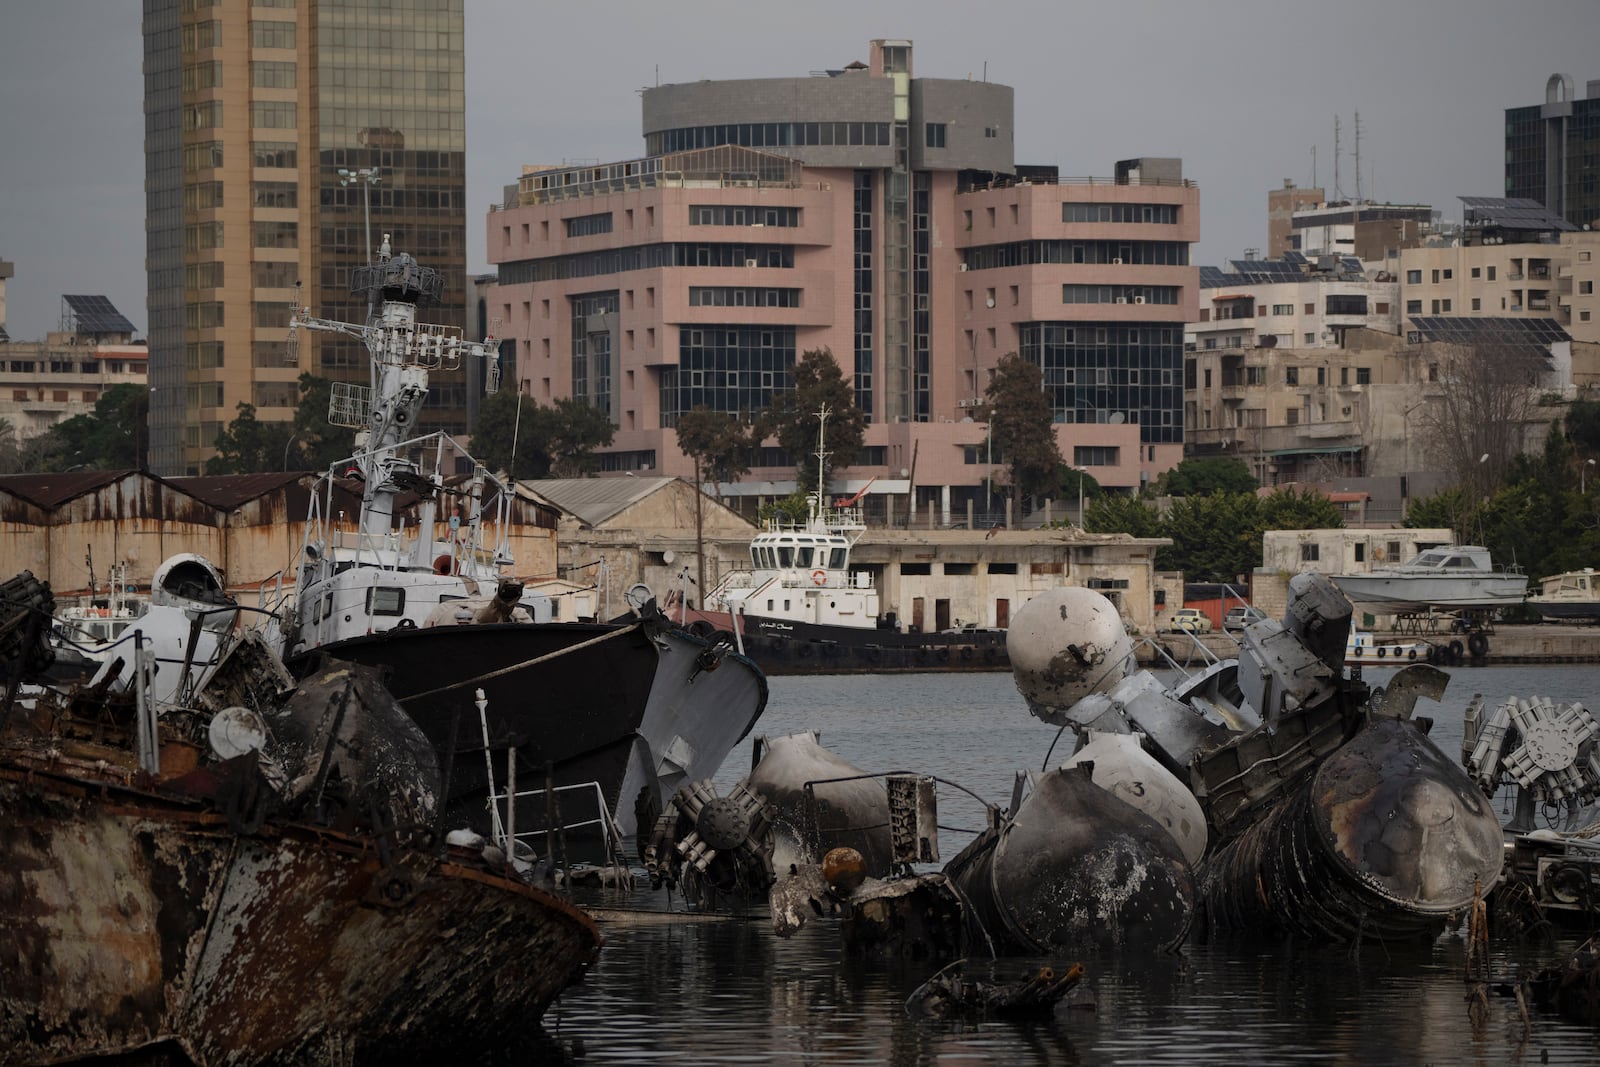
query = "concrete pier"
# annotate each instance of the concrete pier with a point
(1532, 643)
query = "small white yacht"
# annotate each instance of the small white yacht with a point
(1453, 576)
(1569, 595)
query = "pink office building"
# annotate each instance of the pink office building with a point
(877, 215)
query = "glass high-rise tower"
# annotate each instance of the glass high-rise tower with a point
(252, 110)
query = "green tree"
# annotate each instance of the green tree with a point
(1582, 425)
(1211, 474)
(249, 445)
(114, 436)
(1022, 429)
(792, 417)
(317, 444)
(719, 444)
(1291, 509)
(1118, 513)
(576, 429)
(556, 441)
(1215, 538)
(509, 421)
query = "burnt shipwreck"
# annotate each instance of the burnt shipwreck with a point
(253, 874)
(1330, 814)
(1273, 795)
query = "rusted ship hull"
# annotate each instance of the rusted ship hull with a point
(132, 921)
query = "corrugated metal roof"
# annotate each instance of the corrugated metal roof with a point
(594, 500)
(50, 491)
(230, 490)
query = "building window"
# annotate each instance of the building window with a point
(282, 154)
(935, 134)
(272, 75)
(1585, 287)
(1291, 375)
(1292, 416)
(1363, 376)
(275, 194)
(1283, 309)
(1477, 272)
(271, 34)
(1449, 274)
(1477, 305)
(1310, 337)
(1435, 276)
(1446, 305)
(1413, 277)
(588, 225)
(1413, 307)
(1096, 455)
(1160, 214)
(272, 114)
(1309, 554)
(1491, 272)
(276, 234)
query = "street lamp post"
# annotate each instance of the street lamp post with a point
(1583, 472)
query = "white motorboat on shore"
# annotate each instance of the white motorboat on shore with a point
(1452, 576)
(1569, 595)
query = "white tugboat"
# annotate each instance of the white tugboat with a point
(800, 609)
(635, 709)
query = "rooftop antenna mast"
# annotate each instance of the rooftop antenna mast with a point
(1313, 166)
(1337, 194)
(1358, 157)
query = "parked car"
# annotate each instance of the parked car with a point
(1240, 617)
(1191, 619)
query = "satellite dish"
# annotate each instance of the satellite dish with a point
(668, 556)
(989, 301)
(235, 731)
(1118, 417)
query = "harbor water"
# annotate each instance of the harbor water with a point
(672, 987)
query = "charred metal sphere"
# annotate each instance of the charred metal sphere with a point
(1075, 867)
(1385, 841)
(808, 822)
(1065, 644)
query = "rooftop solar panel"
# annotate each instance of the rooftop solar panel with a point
(95, 314)
(1512, 213)
(1489, 330)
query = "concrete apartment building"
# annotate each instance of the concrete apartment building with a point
(1289, 366)
(263, 119)
(44, 382)
(1525, 264)
(1550, 151)
(873, 213)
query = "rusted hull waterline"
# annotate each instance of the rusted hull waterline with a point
(130, 920)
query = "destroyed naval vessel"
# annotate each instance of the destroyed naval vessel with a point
(252, 874)
(1272, 795)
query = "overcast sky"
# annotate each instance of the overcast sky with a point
(1241, 90)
